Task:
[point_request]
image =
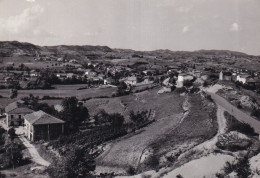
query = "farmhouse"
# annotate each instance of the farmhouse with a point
(131, 81)
(184, 77)
(15, 113)
(225, 76)
(242, 78)
(42, 126)
(108, 81)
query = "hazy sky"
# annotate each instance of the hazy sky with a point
(135, 24)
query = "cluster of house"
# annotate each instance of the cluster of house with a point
(244, 78)
(37, 125)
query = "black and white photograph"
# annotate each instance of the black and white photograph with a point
(129, 88)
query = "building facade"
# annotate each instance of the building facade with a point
(42, 126)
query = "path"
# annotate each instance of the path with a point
(238, 114)
(211, 144)
(33, 152)
(31, 148)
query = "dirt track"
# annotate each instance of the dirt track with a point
(238, 114)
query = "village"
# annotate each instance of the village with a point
(36, 108)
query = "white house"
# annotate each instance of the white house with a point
(184, 77)
(242, 78)
(131, 81)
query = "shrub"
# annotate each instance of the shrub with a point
(152, 162)
(256, 113)
(11, 133)
(243, 128)
(131, 171)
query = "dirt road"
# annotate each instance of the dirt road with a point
(33, 152)
(238, 114)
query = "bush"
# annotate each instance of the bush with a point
(152, 162)
(11, 133)
(256, 113)
(131, 171)
(243, 128)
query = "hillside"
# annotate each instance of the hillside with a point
(19, 51)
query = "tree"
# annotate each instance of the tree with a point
(77, 163)
(101, 117)
(11, 133)
(243, 168)
(74, 113)
(13, 93)
(139, 117)
(116, 120)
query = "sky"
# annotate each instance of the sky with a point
(178, 25)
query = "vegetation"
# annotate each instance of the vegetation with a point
(73, 113)
(234, 125)
(241, 168)
(13, 93)
(78, 162)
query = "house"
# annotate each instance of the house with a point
(242, 78)
(61, 76)
(225, 76)
(184, 77)
(33, 73)
(42, 126)
(70, 75)
(15, 113)
(131, 81)
(108, 81)
(91, 74)
(251, 82)
(196, 73)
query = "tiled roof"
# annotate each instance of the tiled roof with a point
(42, 118)
(21, 110)
(17, 107)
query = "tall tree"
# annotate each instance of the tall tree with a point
(74, 113)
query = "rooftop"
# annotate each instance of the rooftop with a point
(42, 118)
(17, 107)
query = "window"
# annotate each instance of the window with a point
(12, 116)
(20, 117)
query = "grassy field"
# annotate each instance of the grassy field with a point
(127, 150)
(146, 100)
(199, 126)
(64, 91)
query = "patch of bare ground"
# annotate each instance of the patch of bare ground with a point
(198, 126)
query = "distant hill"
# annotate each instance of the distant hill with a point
(15, 48)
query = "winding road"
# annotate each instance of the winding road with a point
(238, 114)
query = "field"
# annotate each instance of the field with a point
(64, 91)
(199, 125)
(127, 150)
(161, 105)
(172, 132)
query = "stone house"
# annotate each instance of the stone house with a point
(42, 126)
(15, 113)
(225, 76)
